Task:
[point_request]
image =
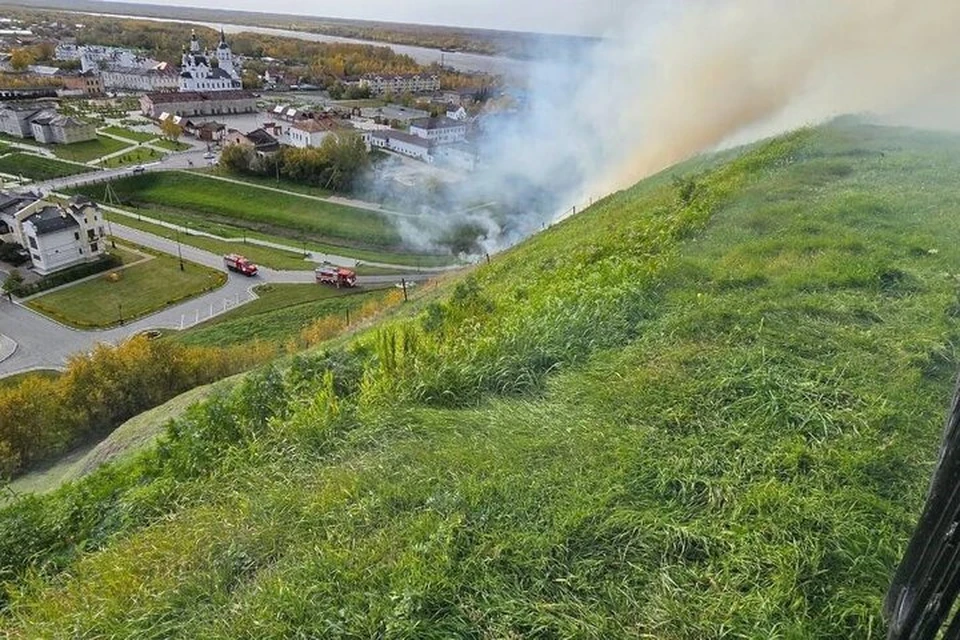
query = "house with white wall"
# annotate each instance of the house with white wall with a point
(312, 133)
(402, 143)
(57, 236)
(439, 130)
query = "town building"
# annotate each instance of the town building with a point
(209, 131)
(311, 133)
(460, 156)
(196, 103)
(15, 117)
(261, 140)
(402, 143)
(98, 58)
(56, 236)
(86, 82)
(49, 127)
(209, 71)
(394, 114)
(162, 77)
(440, 130)
(380, 84)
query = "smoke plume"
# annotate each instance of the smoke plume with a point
(669, 83)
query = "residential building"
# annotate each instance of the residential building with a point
(61, 236)
(262, 141)
(402, 143)
(98, 58)
(159, 78)
(460, 156)
(393, 113)
(49, 127)
(210, 71)
(87, 82)
(440, 130)
(15, 117)
(209, 131)
(401, 83)
(459, 114)
(195, 103)
(57, 236)
(311, 133)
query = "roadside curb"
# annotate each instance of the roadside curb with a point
(7, 347)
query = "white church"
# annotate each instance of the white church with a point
(198, 72)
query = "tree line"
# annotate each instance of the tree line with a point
(337, 164)
(42, 417)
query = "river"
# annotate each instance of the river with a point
(510, 68)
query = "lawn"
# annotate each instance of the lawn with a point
(279, 314)
(128, 293)
(37, 167)
(258, 209)
(137, 155)
(89, 150)
(266, 181)
(264, 256)
(707, 407)
(17, 378)
(129, 134)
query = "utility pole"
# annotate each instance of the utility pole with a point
(120, 312)
(403, 283)
(179, 252)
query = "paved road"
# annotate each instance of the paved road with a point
(44, 344)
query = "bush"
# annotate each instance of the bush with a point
(12, 254)
(104, 263)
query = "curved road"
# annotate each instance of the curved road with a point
(45, 344)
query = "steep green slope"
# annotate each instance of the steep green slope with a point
(707, 407)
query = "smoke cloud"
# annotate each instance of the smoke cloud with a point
(672, 82)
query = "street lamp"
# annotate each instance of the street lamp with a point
(120, 312)
(179, 252)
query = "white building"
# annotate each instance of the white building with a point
(460, 156)
(189, 104)
(98, 58)
(312, 133)
(402, 143)
(158, 78)
(439, 130)
(57, 236)
(199, 72)
(401, 83)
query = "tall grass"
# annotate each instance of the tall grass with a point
(705, 408)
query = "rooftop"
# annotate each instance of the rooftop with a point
(402, 137)
(165, 97)
(440, 122)
(51, 219)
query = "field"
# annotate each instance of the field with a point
(89, 150)
(228, 227)
(707, 407)
(279, 315)
(257, 209)
(266, 181)
(137, 155)
(265, 256)
(133, 292)
(37, 167)
(129, 134)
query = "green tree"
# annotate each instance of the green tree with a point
(237, 158)
(171, 130)
(12, 282)
(21, 58)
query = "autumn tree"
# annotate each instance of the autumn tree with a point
(171, 130)
(21, 58)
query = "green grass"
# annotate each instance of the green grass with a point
(264, 211)
(138, 290)
(36, 167)
(279, 314)
(89, 150)
(265, 256)
(17, 378)
(137, 155)
(234, 229)
(266, 181)
(129, 134)
(172, 145)
(686, 413)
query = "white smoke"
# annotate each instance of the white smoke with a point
(673, 81)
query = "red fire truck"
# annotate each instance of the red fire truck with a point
(236, 262)
(337, 276)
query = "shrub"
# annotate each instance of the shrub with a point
(104, 263)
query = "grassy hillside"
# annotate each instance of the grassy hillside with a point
(708, 407)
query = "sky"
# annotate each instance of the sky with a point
(583, 17)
